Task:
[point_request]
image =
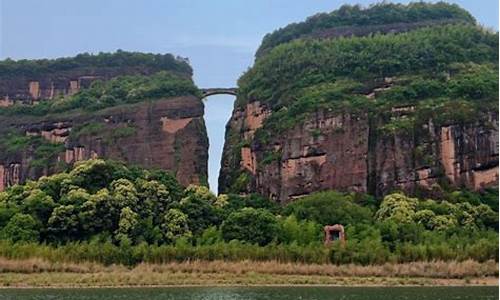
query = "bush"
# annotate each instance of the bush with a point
(255, 226)
(21, 228)
(328, 208)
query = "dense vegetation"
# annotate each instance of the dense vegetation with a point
(12, 144)
(292, 67)
(378, 14)
(107, 212)
(117, 91)
(35, 68)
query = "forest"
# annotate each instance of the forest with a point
(119, 59)
(357, 16)
(106, 212)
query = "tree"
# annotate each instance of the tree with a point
(76, 197)
(124, 193)
(39, 204)
(21, 228)
(327, 208)
(93, 174)
(175, 226)
(154, 199)
(398, 208)
(100, 213)
(485, 217)
(424, 217)
(53, 185)
(127, 226)
(255, 226)
(200, 192)
(301, 232)
(198, 206)
(64, 223)
(443, 222)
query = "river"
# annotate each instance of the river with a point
(256, 293)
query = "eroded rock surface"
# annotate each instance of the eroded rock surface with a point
(169, 134)
(345, 152)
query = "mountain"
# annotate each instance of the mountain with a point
(142, 109)
(373, 100)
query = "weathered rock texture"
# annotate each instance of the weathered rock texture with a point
(346, 152)
(169, 134)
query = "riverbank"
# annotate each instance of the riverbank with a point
(40, 273)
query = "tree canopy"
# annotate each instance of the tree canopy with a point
(355, 15)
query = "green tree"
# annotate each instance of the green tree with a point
(39, 205)
(64, 223)
(93, 174)
(175, 226)
(198, 206)
(154, 199)
(255, 226)
(301, 232)
(128, 225)
(21, 228)
(398, 208)
(424, 217)
(328, 208)
(443, 222)
(124, 193)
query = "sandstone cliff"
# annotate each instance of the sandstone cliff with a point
(167, 134)
(345, 152)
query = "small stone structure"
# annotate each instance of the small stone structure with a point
(334, 233)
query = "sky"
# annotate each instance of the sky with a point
(218, 36)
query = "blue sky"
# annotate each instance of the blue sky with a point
(219, 36)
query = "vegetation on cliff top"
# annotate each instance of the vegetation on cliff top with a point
(278, 77)
(378, 14)
(109, 213)
(119, 59)
(116, 91)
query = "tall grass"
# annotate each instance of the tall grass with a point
(316, 253)
(436, 269)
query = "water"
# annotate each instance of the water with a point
(256, 293)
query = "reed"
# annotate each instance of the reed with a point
(436, 269)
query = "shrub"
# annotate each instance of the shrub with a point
(255, 226)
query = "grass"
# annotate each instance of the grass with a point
(41, 273)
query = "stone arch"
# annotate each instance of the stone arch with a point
(218, 91)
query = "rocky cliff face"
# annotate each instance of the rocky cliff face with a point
(168, 134)
(346, 152)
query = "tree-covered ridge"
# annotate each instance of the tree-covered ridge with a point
(130, 213)
(449, 73)
(119, 90)
(377, 14)
(288, 68)
(89, 62)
